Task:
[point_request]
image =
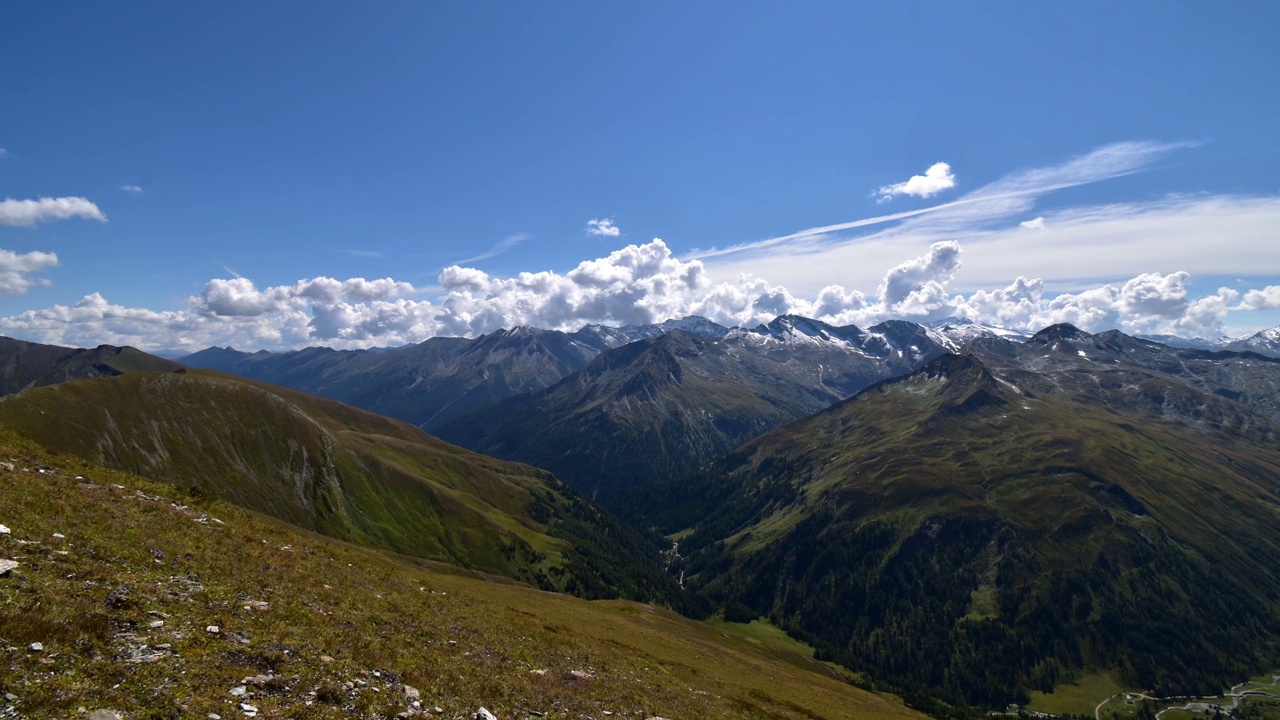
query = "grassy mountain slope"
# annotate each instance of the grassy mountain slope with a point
(343, 472)
(25, 364)
(118, 579)
(957, 533)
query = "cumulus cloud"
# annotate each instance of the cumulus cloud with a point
(132, 189)
(1033, 224)
(26, 213)
(929, 271)
(1204, 318)
(16, 270)
(1013, 306)
(1268, 298)
(604, 228)
(636, 284)
(93, 321)
(239, 297)
(934, 180)
(1153, 294)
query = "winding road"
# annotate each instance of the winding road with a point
(1196, 704)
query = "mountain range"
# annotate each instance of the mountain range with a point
(955, 512)
(655, 409)
(1001, 520)
(433, 382)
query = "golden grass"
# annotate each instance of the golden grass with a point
(139, 553)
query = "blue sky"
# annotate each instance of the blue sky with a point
(275, 175)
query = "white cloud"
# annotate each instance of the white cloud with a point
(239, 297)
(132, 189)
(604, 228)
(26, 213)
(1012, 306)
(934, 180)
(1005, 198)
(93, 320)
(1205, 235)
(1033, 224)
(635, 284)
(1153, 294)
(5, 154)
(933, 270)
(16, 270)
(1268, 298)
(1204, 318)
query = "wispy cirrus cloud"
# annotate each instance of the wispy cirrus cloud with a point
(132, 189)
(502, 246)
(27, 213)
(5, 154)
(986, 214)
(603, 228)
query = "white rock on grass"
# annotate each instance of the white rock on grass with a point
(4, 530)
(6, 566)
(36, 647)
(483, 714)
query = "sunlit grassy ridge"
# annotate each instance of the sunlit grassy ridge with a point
(122, 596)
(343, 472)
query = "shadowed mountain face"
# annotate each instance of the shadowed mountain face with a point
(434, 382)
(654, 409)
(25, 365)
(343, 472)
(999, 521)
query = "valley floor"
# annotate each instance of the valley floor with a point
(1258, 699)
